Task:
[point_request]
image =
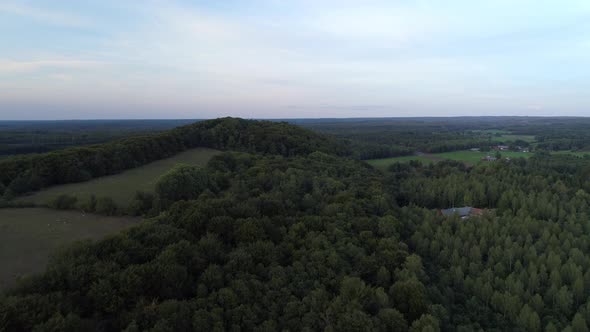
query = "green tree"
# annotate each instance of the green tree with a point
(410, 298)
(579, 323)
(426, 323)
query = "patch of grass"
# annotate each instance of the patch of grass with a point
(122, 187)
(28, 236)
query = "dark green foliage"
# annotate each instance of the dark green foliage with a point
(63, 202)
(88, 204)
(141, 204)
(257, 254)
(183, 182)
(106, 206)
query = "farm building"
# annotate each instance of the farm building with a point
(489, 158)
(463, 212)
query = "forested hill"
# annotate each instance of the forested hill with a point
(253, 242)
(28, 173)
(285, 238)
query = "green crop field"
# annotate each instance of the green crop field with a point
(466, 156)
(121, 187)
(28, 237)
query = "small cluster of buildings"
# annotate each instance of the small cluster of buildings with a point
(507, 147)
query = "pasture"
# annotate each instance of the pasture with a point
(28, 237)
(122, 187)
(466, 156)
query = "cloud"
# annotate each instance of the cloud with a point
(11, 66)
(391, 24)
(59, 18)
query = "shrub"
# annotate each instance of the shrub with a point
(106, 206)
(20, 185)
(142, 203)
(89, 204)
(63, 202)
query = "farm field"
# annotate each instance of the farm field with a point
(121, 187)
(29, 236)
(466, 156)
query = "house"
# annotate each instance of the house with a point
(502, 147)
(488, 158)
(463, 212)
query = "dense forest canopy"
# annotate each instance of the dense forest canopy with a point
(289, 231)
(19, 137)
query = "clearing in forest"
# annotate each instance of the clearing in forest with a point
(122, 187)
(466, 156)
(29, 236)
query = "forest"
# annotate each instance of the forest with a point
(20, 137)
(290, 230)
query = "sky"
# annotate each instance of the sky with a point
(71, 59)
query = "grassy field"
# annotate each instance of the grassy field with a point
(121, 187)
(508, 137)
(29, 236)
(472, 157)
(466, 156)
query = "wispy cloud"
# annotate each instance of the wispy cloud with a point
(53, 17)
(11, 66)
(336, 57)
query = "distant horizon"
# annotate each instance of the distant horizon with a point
(308, 118)
(293, 59)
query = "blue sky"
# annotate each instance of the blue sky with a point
(278, 58)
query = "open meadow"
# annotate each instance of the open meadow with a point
(122, 187)
(29, 236)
